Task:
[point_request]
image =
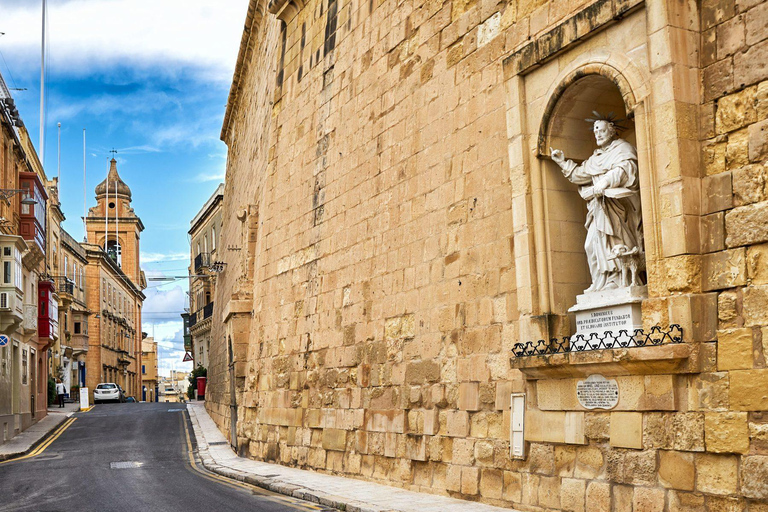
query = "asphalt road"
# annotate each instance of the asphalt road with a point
(128, 457)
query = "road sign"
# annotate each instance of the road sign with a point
(187, 357)
(3, 340)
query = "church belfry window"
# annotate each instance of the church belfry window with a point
(115, 252)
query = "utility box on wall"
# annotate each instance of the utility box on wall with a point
(517, 426)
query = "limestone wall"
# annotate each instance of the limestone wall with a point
(392, 229)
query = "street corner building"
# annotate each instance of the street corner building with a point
(512, 252)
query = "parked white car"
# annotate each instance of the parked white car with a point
(107, 391)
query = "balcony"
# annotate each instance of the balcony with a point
(47, 311)
(192, 319)
(79, 344)
(66, 289)
(11, 282)
(202, 261)
(33, 217)
(208, 310)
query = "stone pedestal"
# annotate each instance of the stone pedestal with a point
(607, 311)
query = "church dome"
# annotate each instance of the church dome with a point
(115, 183)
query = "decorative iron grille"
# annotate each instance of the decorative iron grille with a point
(580, 343)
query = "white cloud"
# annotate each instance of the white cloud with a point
(164, 305)
(156, 257)
(90, 35)
(205, 177)
(142, 101)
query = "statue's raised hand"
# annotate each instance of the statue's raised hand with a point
(557, 156)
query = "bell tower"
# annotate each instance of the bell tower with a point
(113, 225)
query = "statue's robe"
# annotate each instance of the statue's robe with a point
(613, 218)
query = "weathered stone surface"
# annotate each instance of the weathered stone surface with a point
(736, 110)
(755, 307)
(589, 462)
(727, 313)
(716, 474)
(747, 225)
(724, 269)
(648, 500)
(572, 494)
(626, 430)
(734, 349)
(683, 273)
(751, 66)
(676, 470)
(749, 390)
(757, 264)
(541, 459)
(714, 158)
(334, 439)
(749, 184)
(725, 504)
(737, 151)
(491, 483)
(686, 502)
(598, 496)
(754, 475)
(513, 489)
(726, 432)
(688, 428)
(597, 426)
(758, 141)
(716, 193)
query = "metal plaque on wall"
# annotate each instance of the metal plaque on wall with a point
(597, 392)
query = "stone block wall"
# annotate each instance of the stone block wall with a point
(381, 270)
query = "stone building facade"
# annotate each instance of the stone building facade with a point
(149, 381)
(204, 233)
(396, 232)
(28, 323)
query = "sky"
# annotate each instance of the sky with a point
(149, 79)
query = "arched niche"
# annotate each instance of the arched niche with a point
(563, 127)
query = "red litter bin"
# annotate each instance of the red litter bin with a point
(201, 388)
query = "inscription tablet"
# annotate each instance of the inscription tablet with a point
(597, 392)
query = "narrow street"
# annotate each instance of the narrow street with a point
(127, 457)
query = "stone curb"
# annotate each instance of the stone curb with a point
(226, 463)
(58, 419)
(271, 484)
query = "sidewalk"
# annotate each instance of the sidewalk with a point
(331, 491)
(24, 442)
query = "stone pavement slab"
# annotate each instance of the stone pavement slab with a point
(328, 490)
(24, 442)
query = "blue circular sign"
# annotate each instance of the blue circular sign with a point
(3, 340)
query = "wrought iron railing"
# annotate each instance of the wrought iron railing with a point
(202, 260)
(580, 343)
(192, 319)
(65, 285)
(208, 310)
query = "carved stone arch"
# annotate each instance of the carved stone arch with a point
(569, 79)
(606, 82)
